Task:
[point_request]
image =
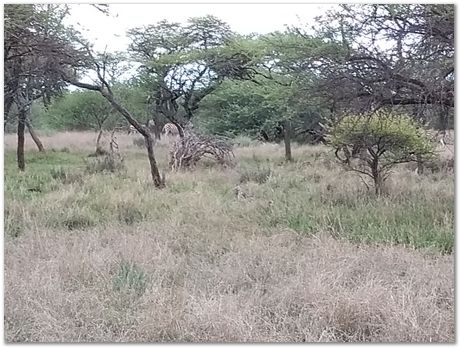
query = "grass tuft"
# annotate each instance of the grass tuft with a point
(130, 277)
(108, 163)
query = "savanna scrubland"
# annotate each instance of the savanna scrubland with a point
(105, 241)
(304, 254)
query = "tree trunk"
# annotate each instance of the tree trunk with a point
(287, 140)
(34, 136)
(99, 150)
(444, 118)
(378, 182)
(158, 181)
(8, 104)
(419, 165)
(179, 128)
(157, 133)
(21, 140)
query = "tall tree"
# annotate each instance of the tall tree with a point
(398, 55)
(184, 63)
(35, 42)
(101, 65)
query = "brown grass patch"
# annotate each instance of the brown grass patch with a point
(205, 285)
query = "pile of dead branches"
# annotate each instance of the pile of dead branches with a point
(188, 150)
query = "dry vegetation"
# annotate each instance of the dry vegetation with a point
(303, 254)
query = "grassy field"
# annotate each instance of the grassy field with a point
(262, 252)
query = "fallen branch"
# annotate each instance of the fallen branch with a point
(187, 151)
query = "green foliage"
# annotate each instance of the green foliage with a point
(272, 95)
(134, 96)
(89, 110)
(380, 140)
(398, 137)
(236, 108)
(130, 277)
(244, 108)
(79, 110)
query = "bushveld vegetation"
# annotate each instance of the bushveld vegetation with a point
(304, 254)
(223, 233)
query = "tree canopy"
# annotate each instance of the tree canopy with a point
(353, 59)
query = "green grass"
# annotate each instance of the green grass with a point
(40, 169)
(106, 257)
(56, 192)
(419, 221)
(130, 277)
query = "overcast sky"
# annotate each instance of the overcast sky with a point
(243, 18)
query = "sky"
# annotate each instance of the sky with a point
(109, 31)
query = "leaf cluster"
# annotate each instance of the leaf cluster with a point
(395, 138)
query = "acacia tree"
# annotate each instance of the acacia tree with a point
(290, 61)
(394, 55)
(82, 110)
(379, 141)
(102, 64)
(41, 61)
(35, 42)
(182, 64)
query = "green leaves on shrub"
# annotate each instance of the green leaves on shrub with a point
(379, 141)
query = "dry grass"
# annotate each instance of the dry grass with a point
(76, 141)
(205, 285)
(303, 257)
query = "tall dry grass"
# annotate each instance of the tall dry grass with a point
(304, 254)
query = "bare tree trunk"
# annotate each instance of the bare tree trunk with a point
(99, 150)
(378, 182)
(287, 140)
(179, 128)
(7, 104)
(34, 136)
(157, 133)
(21, 140)
(443, 118)
(420, 166)
(158, 181)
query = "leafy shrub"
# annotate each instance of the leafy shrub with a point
(378, 141)
(438, 165)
